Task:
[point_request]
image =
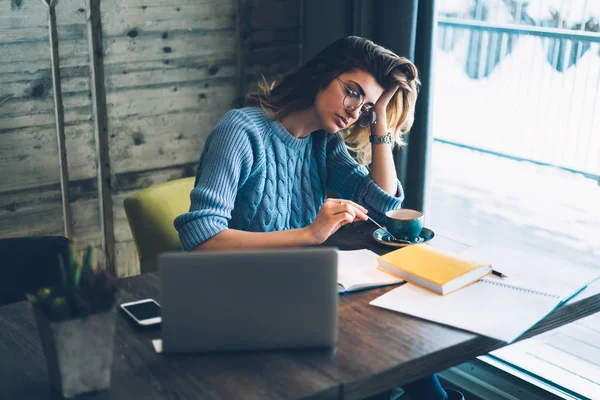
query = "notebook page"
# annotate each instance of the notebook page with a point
(537, 271)
(482, 308)
(358, 269)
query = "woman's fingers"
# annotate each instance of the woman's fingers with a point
(340, 206)
(356, 205)
(354, 209)
(385, 97)
(343, 219)
(344, 201)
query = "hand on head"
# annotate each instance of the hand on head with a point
(383, 101)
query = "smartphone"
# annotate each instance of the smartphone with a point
(144, 312)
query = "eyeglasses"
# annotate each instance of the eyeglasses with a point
(354, 100)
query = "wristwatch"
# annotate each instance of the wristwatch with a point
(387, 139)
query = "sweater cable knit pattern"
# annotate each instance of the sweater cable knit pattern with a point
(255, 176)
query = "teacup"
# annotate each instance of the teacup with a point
(405, 224)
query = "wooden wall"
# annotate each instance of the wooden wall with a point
(171, 70)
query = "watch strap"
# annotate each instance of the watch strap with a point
(387, 139)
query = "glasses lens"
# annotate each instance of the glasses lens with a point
(352, 101)
(367, 118)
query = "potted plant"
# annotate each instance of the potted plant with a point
(76, 324)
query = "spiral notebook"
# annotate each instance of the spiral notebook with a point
(501, 308)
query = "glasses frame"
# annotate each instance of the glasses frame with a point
(367, 116)
(348, 90)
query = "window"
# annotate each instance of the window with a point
(516, 154)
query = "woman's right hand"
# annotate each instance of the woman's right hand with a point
(333, 214)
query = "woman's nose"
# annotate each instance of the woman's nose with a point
(354, 114)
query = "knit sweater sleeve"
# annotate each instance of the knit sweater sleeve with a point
(352, 181)
(224, 166)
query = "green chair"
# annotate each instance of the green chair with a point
(150, 213)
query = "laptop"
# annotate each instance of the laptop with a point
(248, 300)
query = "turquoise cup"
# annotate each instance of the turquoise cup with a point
(404, 224)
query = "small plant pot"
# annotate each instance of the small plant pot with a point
(78, 352)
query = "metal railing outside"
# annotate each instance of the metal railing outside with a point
(520, 91)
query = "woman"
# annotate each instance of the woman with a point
(265, 170)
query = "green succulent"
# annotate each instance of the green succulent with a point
(84, 288)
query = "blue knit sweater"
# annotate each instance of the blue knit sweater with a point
(255, 176)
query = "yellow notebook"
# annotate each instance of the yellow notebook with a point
(433, 269)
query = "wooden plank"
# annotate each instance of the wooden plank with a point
(22, 216)
(86, 223)
(25, 35)
(278, 37)
(130, 182)
(38, 211)
(101, 134)
(33, 159)
(26, 14)
(192, 62)
(28, 157)
(72, 52)
(23, 199)
(273, 43)
(127, 261)
(198, 70)
(160, 141)
(41, 111)
(269, 14)
(164, 100)
(150, 3)
(267, 55)
(29, 89)
(60, 124)
(206, 43)
(243, 32)
(72, 116)
(258, 64)
(25, 67)
(164, 10)
(77, 104)
(122, 230)
(121, 18)
(272, 70)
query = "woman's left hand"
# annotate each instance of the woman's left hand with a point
(382, 169)
(383, 101)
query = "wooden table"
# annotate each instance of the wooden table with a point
(377, 350)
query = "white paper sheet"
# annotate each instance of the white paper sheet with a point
(481, 308)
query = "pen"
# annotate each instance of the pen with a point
(500, 274)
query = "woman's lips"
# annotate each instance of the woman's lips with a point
(341, 122)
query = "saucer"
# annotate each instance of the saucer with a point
(384, 238)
